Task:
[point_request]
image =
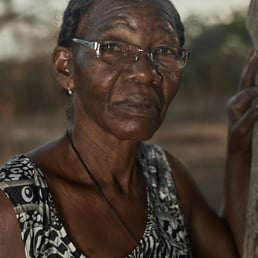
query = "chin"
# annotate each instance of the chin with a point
(135, 131)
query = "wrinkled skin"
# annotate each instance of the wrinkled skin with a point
(128, 102)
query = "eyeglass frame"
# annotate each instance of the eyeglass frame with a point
(95, 45)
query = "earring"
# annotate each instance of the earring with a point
(69, 92)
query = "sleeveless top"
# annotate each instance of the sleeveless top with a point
(44, 235)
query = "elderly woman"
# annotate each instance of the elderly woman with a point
(99, 190)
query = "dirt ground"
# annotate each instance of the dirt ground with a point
(199, 145)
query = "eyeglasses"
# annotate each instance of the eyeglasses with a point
(167, 58)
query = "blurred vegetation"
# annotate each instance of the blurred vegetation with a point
(218, 52)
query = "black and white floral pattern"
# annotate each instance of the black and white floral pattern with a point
(44, 235)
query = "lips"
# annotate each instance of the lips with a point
(138, 105)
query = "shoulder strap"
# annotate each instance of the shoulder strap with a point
(156, 167)
(23, 184)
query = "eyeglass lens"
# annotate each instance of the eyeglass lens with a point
(168, 58)
(122, 53)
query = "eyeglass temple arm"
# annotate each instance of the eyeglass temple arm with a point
(89, 44)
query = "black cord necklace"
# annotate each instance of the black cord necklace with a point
(101, 193)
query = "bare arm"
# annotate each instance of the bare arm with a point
(209, 234)
(11, 244)
(242, 117)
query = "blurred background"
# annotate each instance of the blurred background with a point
(32, 107)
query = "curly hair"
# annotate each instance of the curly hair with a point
(76, 9)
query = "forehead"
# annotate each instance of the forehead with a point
(107, 14)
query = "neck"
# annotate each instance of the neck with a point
(111, 161)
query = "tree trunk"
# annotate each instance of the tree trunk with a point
(251, 234)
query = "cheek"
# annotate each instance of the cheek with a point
(171, 87)
(94, 79)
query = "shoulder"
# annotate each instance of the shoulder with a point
(10, 173)
(169, 165)
(186, 188)
(21, 182)
(29, 165)
(199, 218)
(156, 154)
(11, 244)
(17, 168)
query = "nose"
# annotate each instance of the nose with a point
(144, 70)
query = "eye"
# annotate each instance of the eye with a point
(167, 51)
(112, 46)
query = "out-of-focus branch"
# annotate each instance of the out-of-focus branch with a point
(10, 15)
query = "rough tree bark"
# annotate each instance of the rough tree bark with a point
(251, 234)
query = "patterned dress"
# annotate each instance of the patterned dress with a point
(44, 235)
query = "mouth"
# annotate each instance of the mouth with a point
(139, 106)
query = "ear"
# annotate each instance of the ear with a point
(62, 59)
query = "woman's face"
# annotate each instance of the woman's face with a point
(128, 101)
